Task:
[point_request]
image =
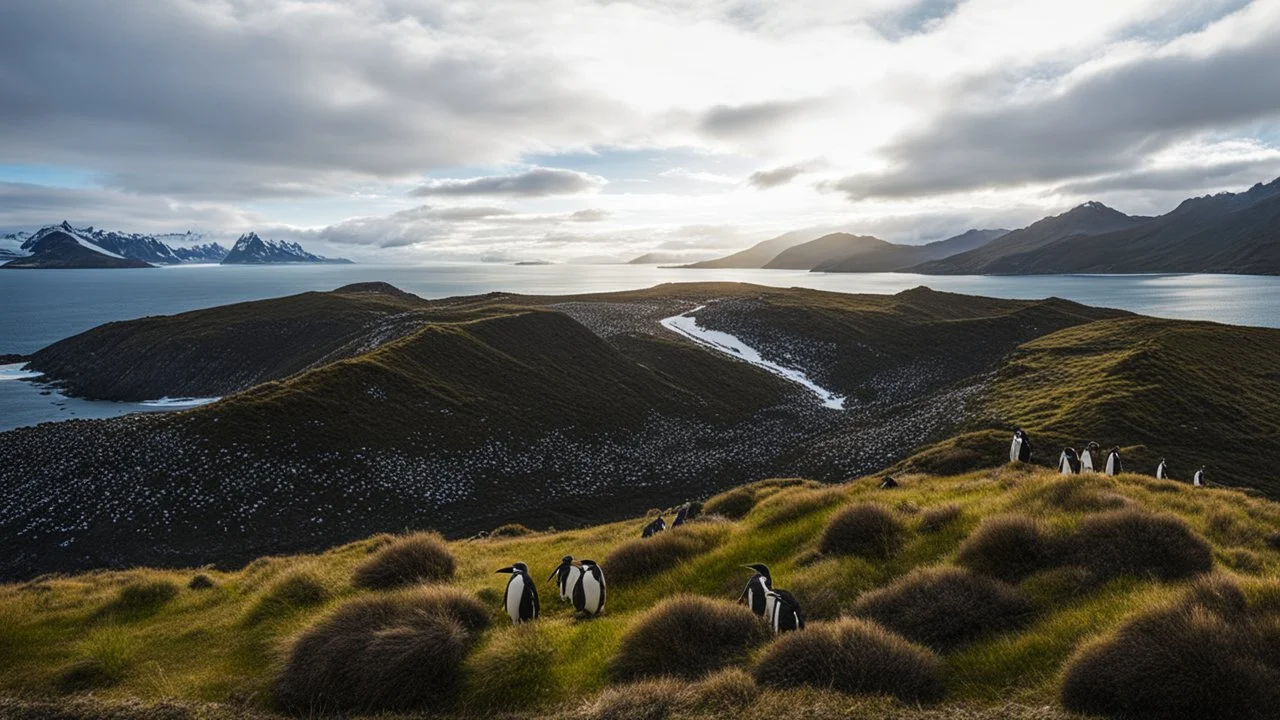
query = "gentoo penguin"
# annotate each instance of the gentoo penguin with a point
(1020, 448)
(521, 597)
(1068, 463)
(888, 483)
(1091, 451)
(1199, 480)
(566, 576)
(682, 514)
(1162, 471)
(785, 614)
(1114, 466)
(756, 594)
(653, 528)
(588, 592)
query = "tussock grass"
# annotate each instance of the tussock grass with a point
(295, 590)
(853, 656)
(644, 557)
(510, 530)
(945, 608)
(866, 529)
(733, 504)
(1008, 548)
(381, 653)
(422, 557)
(1134, 542)
(106, 658)
(140, 599)
(723, 694)
(200, 581)
(934, 519)
(513, 670)
(786, 507)
(1205, 657)
(687, 636)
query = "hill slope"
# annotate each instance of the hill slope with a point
(899, 257)
(806, 256)
(94, 645)
(61, 247)
(760, 254)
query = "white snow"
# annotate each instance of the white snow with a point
(168, 402)
(86, 244)
(14, 371)
(687, 325)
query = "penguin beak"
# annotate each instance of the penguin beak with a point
(509, 569)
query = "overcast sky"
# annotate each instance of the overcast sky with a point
(404, 130)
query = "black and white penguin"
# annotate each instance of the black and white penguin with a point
(1091, 451)
(1068, 462)
(1114, 466)
(682, 514)
(1020, 448)
(566, 576)
(785, 614)
(588, 592)
(888, 483)
(658, 525)
(1162, 471)
(756, 594)
(521, 597)
(1199, 480)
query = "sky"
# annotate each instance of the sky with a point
(575, 130)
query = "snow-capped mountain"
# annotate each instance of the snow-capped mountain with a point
(61, 246)
(11, 245)
(163, 249)
(253, 250)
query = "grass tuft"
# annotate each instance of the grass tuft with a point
(733, 504)
(935, 519)
(513, 670)
(1008, 548)
(1138, 543)
(687, 636)
(294, 591)
(853, 656)
(140, 599)
(945, 608)
(866, 530)
(201, 581)
(422, 557)
(644, 557)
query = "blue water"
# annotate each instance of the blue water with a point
(38, 307)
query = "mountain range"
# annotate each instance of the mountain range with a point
(1223, 233)
(65, 246)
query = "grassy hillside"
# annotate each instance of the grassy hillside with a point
(1195, 393)
(1067, 570)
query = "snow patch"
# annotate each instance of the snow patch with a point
(168, 402)
(687, 325)
(86, 244)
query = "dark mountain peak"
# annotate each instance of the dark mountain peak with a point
(248, 239)
(67, 226)
(1227, 202)
(1092, 207)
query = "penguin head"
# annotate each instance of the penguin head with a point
(760, 568)
(516, 568)
(566, 560)
(587, 563)
(1093, 446)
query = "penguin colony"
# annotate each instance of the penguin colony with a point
(1070, 463)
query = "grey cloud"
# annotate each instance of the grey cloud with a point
(26, 205)
(765, 179)
(463, 214)
(537, 182)
(244, 99)
(1107, 123)
(590, 215)
(1191, 178)
(733, 121)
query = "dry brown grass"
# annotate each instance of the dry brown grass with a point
(687, 636)
(644, 557)
(1142, 544)
(1008, 548)
(422, 557)
(945, 608)
(935, 519)
(733, 504)
(866, 530)
(852, 656)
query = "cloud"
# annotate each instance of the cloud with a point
(765, 179)
(590, 215)
(465, 213)
(1092, 122)
(537, 182)
(700, 176)
(27, 205)
(744, 121)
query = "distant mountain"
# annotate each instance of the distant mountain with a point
(11, 245)
(655, 258)
(163, 249)
(205, 253)
(1224, 233)
(890, 257)
(62, 247)
(806, 256)
(1091, 218)
(253, 250)
(758, 255)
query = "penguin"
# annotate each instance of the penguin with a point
(1068, 463)
(1114, 466)
(1020, 448)
(785, 614)
(1086, 458)
(682, 515)
(653, 528)
(1162, 471)
(521, 597)
(566, 576)
(756, 594)
(588, 592)
(1199, 480)
(889, 483)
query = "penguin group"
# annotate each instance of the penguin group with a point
(659, 524)
(777, 607)
(580, 583)
(1071, 463)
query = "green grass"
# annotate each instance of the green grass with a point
(64, 636)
